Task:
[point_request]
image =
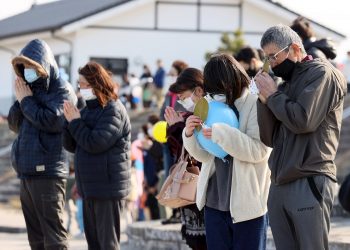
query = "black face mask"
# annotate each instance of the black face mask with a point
(251, 72)
(284, 69)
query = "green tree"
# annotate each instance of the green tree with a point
(231, 43)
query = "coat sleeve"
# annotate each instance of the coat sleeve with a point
(245, 147)
(193, 148)
(47, 117)
(68, 141)
(102, 137)
(267, 123)
(306, 113)
(15, 117)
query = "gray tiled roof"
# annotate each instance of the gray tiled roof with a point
(54, 15)
(51, 16)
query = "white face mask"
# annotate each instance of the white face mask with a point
(87, 94)
(218, 98)
(150, 132)
(187, 103)
(30, 75)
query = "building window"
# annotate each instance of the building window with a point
(118, 66)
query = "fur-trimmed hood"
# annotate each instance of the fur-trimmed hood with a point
(38, 55)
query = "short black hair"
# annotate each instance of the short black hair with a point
(246, 54)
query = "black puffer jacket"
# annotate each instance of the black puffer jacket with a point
(38, 119)
(100, 140)
(323, 48)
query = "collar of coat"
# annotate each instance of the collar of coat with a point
(239, 103)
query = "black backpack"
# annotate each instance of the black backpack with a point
(344, 194)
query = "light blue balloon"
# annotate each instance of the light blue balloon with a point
(218, 113)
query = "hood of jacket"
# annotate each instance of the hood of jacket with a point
(38, 55)
(326, 45)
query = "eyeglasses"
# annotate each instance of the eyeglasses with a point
(273, 58)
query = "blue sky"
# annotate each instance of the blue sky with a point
(334, 14)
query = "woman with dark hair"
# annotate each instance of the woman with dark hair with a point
(99, 135)
(233, 191)
(317, 48)
(189, 89)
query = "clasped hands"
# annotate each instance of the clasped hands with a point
(266, 85)
(21, 89)
(71, 112)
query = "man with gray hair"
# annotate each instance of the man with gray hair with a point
(300, 119)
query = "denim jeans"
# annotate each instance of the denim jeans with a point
(223, 234)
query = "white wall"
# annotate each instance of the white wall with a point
(6, 82)
(141, 16)
(144, 47)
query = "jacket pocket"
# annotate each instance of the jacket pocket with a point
(52, 205)
(316, 184)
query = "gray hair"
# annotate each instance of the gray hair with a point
(281, 35)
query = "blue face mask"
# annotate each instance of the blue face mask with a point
(30, 75)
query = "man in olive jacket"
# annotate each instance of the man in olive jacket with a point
(300, 119)
(37, 153)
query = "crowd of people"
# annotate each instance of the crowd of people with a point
(279, 169)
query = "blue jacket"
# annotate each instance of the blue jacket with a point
(100, 140)
(37, 151)
(159, 78)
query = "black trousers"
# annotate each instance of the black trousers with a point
(42, 205)
(102, 223)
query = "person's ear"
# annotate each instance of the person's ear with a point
(253, 63)
(199, 92)
(295, 52)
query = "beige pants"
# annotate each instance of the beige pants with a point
(158, 92)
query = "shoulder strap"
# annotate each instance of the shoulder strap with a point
(182, 156)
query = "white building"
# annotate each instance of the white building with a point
(125, 34)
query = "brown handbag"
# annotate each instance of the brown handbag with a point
(179, 188)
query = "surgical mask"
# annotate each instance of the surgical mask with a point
(218, 97)
(30, 75)
(187, 103)
(87, 94)
(150, 131)
(284, 69)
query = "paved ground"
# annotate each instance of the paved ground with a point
(13, 218)
(14, 237)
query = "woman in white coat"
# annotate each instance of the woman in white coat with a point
(232, 191)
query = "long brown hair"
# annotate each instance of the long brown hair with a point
(101, 82)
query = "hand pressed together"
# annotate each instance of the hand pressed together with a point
(266, 86)
(71, 112)
(21, 89)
